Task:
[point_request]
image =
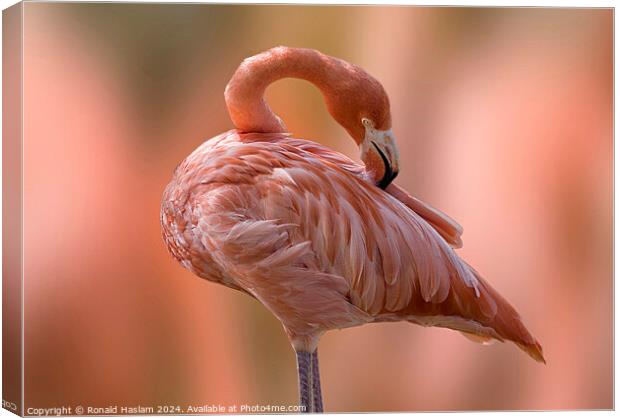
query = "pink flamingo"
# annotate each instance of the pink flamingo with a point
(322, 241)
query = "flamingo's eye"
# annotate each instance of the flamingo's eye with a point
(367, 122)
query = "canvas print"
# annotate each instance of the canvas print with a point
(233, 209)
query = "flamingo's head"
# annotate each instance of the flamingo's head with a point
(361, 106)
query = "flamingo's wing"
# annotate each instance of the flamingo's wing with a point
(398, 265)
(447, 227)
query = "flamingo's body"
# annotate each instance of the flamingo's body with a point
(308, 232)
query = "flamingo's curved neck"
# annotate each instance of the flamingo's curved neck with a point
(244, 93)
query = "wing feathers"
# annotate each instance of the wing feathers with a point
(448, 228)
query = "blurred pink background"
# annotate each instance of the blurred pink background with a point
(504, 121)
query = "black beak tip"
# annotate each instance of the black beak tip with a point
(388, 178)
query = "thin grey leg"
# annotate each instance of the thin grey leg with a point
(316, 383)
(304, 370)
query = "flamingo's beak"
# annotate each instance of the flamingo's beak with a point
(390, 167)
(380, 154)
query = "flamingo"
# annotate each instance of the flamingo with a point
(320, 240)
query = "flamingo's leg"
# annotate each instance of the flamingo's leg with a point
(316, 383)
(304, 370)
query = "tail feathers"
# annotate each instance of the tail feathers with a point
(533, 349)
(508, 325)
(469, 312)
